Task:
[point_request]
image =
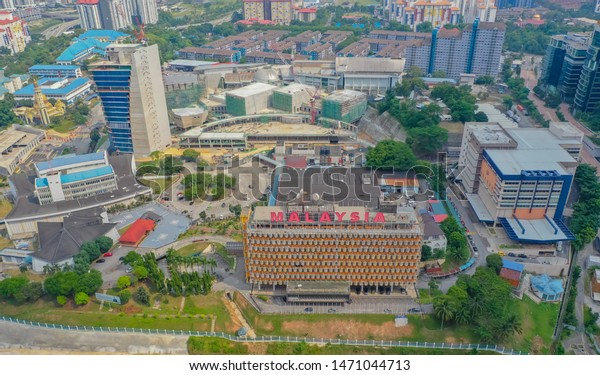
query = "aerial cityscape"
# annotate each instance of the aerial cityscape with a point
(300, 177)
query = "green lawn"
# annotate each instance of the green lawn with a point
(130, 315)
(124, 229)
(537, 321)
(64, 126)
(213, 345)
(364, 326)
(158, 185)
(5, 207)
(38, 26)
(192, 249)
(220, 249)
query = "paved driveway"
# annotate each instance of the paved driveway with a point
(167, 230)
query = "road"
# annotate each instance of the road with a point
(22, 339)
(57, 30)
(578, 340)
(218, 21)
(528, 74)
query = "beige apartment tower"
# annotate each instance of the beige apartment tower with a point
(133, 97)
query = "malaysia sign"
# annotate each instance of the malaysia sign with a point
(326, 217)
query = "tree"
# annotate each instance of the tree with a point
(171, 165)
(132, 258)
(30, 292)
(104, 243)
(190, 155)
(61, 300)
(484, 80)
(425, 253)
(95, 136)
(92, 249)
(442, 308)
(494, 261)
(202, 215)
(10, 287)
(507, 102)
(391, 154)
(439, 74)
(480, 117)
(61, 283)
(414, 71)
(89, 282)
(425, 27)
(125, 296)
(427, 141)
(141, 296)
(433, 286)
(123, 282)
(140, 272)
(81, 298)
(7, 116)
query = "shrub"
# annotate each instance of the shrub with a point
(61, 300)
(81, 298)
(125, 296)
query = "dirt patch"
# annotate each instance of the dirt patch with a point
(237, 323)
(345, 329)
(131, 309)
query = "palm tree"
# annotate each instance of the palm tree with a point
(513, 324)
(442, 308)
(463, 315)
(477, 304)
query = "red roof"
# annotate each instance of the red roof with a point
(137, 231)
(308, 10)
(295, 161)
(439, 217)
(511, 276)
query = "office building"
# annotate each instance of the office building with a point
(520, 178)
(130, 86)
(73, 177)
(67, 90)
(14, 33)
(587, 95)
(27, 211)
(55, 71)
(16, 145)
(352, 244)
(89, 14)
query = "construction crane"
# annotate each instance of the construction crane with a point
(141, 33)
(312, 101)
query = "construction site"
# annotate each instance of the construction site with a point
(345, 105)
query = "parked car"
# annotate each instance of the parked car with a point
(109, 254)
(129, 269)
(414, 310)
(309, 309)
(522, 256)
(512, 254)
(101, 261)
(332, 310)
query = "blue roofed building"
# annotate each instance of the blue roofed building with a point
(73, 177)
(111, 36)
(82, 49)
(546, 288)
(67, 90)
(56, 71)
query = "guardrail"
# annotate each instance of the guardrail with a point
(267, 339)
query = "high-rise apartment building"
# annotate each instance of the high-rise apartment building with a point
(116, 14)
(440, 12)
(520, 178)
(476, 49)
(254, 9)
(131, 89)
(7, 4)
(14, 33)
(587, 96)
(89, 14)
(278, 11)
(146, 11)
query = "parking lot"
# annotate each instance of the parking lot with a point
(167, 230)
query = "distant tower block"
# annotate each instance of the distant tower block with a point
(597, 6)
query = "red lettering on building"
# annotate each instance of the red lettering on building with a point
(340, 215)
(325, 217)
(307, 218)
(354, 217)
(294, 217)
(379, 218)
(276, 216)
